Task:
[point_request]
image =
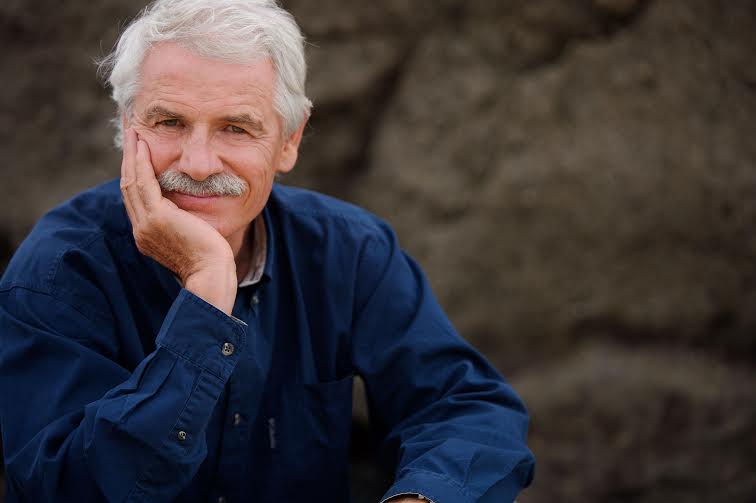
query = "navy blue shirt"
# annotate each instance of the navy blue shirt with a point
(118, 385)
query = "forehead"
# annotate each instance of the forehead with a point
(173, 75)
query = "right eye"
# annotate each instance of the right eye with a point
(169, 122)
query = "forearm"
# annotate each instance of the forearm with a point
(453, 429)
(215, 285)
(142, 439)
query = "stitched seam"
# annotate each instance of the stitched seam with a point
(452, 482)
(150, 468)
(53, 296)
(55, 266)
(220, 315)
(189, 360)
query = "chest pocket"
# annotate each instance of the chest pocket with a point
(309, 440)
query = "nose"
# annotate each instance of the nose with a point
(198, 158)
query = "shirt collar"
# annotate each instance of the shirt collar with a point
(258, 258)
(270, 238)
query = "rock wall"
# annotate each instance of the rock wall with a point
(576, 177)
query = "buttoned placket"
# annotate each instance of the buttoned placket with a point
(232, 465)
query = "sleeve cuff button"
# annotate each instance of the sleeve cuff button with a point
(228, 349)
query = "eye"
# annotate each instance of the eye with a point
(235, 129)
(169, 122)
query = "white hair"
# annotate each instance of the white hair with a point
(237, 31)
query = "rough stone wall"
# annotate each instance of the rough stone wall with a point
(578, 179)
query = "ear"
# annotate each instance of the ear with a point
(290, 148)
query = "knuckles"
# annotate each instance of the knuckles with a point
(141, 244)
(147, 228)
(140, 237)
(144, 187)
(152, 244)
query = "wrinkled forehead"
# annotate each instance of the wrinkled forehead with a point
(170, 71)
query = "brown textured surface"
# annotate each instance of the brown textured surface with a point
(578, 179)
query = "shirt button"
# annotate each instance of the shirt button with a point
(181, 435)
(237, 419)
(228, 349)
(255, 299)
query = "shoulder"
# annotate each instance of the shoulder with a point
(321, 213)
(82, 230)
(346, 247)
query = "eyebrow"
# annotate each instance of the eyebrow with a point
(245, 120)
(158, 111)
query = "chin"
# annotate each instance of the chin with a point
(226, 229)
(223, 228)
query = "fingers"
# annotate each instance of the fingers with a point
(129, 154)
(147, 185)
(139, 187)
(128, 176)
(182, 242)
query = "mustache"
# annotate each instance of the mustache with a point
(217, 184)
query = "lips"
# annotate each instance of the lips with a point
(192, 202)
(184, 194)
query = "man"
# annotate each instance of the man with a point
(192, 334)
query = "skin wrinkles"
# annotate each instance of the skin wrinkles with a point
(189, 110)
(157, 113)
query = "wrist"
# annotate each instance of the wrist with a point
(407, 498)
(215, 285)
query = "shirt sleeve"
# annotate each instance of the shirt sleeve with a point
(452, 427)
(79, 427)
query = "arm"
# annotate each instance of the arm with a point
(76, 424)
(79, 427)
(184, 243)
(454, 430)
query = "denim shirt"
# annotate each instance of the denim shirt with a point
(118, 385)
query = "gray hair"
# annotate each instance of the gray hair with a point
(237, 31)
(217, 184)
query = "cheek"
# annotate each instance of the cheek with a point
(163, 153)
(251, 152)
(253, 163)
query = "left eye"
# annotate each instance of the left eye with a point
(235, 130)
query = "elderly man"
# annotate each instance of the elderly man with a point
(192, 334)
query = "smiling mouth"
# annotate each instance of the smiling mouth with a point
(201, 196)
(196, 196)
(190, 202)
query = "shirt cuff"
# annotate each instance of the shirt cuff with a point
(201, 333)
(417, 496)
(433, 486)
(441, 489)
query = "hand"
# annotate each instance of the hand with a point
(184, 243)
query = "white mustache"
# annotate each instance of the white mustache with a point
(217, 184)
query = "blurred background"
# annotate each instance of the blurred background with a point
(577, 178)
